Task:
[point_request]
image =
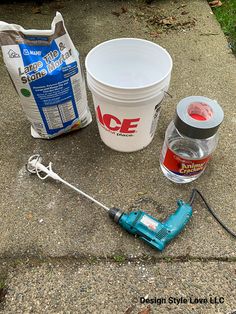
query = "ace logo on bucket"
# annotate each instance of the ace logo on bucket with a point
(125, 127)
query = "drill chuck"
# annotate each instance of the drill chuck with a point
(115, 214)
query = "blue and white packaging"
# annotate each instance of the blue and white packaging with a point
(45, 68)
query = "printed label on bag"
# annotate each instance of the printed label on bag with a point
(184, 167)
(45, 69)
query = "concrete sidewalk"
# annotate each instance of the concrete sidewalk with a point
(42, 220)
(110, 287)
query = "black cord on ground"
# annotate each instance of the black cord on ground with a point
(191, 200)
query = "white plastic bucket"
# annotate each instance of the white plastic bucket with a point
(128, 78)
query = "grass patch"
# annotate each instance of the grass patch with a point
(119, 258)
(3, 292)
(226, 16)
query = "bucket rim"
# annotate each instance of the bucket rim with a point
(124, 102)
(124, 39)
(139, 94)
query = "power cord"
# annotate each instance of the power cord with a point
(191, 200)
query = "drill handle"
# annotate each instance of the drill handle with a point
(177, 221)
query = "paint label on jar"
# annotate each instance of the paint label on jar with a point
(184, 167)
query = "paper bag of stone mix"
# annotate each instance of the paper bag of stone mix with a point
(45, 68)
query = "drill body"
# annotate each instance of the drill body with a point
(157, 234)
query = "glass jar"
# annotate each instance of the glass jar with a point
(190, 139)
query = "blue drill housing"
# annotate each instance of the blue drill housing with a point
(157, 234)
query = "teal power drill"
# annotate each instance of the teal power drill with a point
(155, 233)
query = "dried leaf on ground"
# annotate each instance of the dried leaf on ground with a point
(124, 9)
(29, 216)
(188, 23)
(168, 21)
(215, 3)
(147, 310)
(57, 5)
(116, 13)
(3, 292)
(155, 34)
(129, 310)
(36, 10)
